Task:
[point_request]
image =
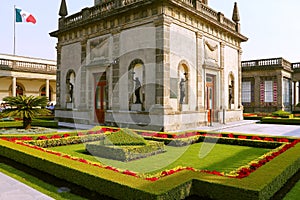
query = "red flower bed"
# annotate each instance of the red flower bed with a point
(241, 173)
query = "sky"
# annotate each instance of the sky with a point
(271, 25)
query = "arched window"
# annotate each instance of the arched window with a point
(183, 78)
(19, 90)
(70, 84)
(136, 82)
(43, 92)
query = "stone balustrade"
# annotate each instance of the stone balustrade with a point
(267, 62)
(27, 66)
(296, 65)
(110, 5)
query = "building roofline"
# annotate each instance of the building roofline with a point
(27, 59)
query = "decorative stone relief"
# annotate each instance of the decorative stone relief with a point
(211, 51)
(99, 48)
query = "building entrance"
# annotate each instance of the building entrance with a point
(100, 98)
(210, 97)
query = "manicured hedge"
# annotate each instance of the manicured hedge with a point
(35, 122)
(125, 153)
(124, 137)
(262, 184)
(55, 141)
(267, 120)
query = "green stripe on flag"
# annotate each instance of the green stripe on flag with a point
(18, 15)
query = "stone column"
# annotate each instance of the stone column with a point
(200, 86)
(47, 88)
(14, 86)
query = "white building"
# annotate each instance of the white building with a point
(27, 76)
(103, 49)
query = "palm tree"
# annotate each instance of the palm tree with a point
(26, 108)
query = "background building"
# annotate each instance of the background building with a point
(27, 76)
(270, 84)
(163, 65)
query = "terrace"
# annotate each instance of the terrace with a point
(24, 66)
(109, 6)
(267, 63)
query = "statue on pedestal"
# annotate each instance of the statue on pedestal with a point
(182, 88)
(137, 89)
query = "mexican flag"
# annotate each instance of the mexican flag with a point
(23, 16)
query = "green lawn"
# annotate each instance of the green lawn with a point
(294, 193)
(220, 157)
(35, 180)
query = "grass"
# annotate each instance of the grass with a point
(220, 157)
(294, 193)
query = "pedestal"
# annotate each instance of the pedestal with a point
(136, 107)
(69, 105)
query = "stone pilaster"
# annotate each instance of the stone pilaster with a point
(114, 99)
(163, 63)
(58, 79)
(222, 82)
(83, 80)
(200, 86)
(279, 91)
(240, 105)
(257, 91)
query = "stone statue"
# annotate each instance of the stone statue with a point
(137, 90)
(182, 90)
(71, 92)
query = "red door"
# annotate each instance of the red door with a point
(100, 101)
(210, 101)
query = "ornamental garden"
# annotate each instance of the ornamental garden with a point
(122, 163)
(160, 165)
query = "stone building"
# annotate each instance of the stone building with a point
(27, 76)
(270, 84)
(149, 64)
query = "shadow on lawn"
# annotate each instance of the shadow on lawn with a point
(52, 180)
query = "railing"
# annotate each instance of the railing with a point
(208, 11)
(27, 66)
(296, 65)
(109, 5)
(267, 62)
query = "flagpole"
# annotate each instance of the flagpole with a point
(14, 30)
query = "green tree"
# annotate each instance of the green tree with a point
(26, 108)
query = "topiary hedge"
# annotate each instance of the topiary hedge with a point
(262, 184)
(125, 153)
(124, 137)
